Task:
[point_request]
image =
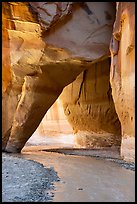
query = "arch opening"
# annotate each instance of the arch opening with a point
(83, 117)
(54, 131)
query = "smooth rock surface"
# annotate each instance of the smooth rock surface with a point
(122, 75)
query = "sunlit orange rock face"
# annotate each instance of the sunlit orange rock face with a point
(122, 75)
(45, 48)
(6, 72)
(12, 80)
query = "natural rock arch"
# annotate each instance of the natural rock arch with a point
(45, 47)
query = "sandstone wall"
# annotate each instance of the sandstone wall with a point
(122, 75)
(89, 107)
(10, 90)
(40, 65)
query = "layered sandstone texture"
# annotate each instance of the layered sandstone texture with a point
(122, 75)
(89, 107)
(45, 47)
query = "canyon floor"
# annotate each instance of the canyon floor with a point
(51, 173)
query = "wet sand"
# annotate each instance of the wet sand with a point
(79, 175)
(86, 179)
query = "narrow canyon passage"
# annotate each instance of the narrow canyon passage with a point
(86, 175)
(83, 60)
(68, 101)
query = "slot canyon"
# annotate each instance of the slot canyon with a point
(68, 81)
(48, 51)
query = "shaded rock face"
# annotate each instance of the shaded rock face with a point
(46, 45)
(85, 31)
(89, 107)
(122, 75)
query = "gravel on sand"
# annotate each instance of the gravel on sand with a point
(26, 180)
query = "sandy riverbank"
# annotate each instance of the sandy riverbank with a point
(26, 181)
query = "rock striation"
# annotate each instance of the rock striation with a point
(89, 107)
